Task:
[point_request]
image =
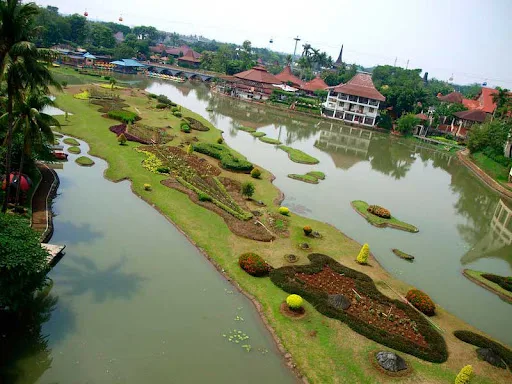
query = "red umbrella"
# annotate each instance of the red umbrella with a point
(15, 179)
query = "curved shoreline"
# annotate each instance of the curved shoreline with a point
(503, 297)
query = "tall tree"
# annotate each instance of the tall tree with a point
(78, 28)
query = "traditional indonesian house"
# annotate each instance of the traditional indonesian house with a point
(465, 119)
(254, 84)
(190, 58)
(287, 77)
(127, 65)
(315, 85)
(357, 101)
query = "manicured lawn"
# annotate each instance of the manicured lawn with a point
(491, 286)
(305, 178)
(298, 156)
(71, 76)
(84, 161)
(324, 349)
(269, 140)
(362, 206)
(495, 170)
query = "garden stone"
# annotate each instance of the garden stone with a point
(339, 302)
(491, 357)
(304, 246)
(316, 234)
(391, 361)
(260, 203)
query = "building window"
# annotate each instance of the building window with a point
(371, 110)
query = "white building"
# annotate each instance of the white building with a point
(356, 102)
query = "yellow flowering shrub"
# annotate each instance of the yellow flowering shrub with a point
(151, 163)
(464, 375)
(147, 187)
(82, 95)
(284, 211)
(362, 258)
(294, 301)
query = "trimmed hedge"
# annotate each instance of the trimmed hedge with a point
(253, 264)
(284, 278)
(483, 342)
(422, 301)
(504, 282)
(124, 116)
(379, 211)
(227, 159)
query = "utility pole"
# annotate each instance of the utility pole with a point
(407, 65)
(396, 58)
(297, 39)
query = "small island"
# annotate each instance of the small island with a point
(298, 156)
(312, 177)
(361, 207)
(403, 255)
(494, 283)
(84, 161)
(269, 140)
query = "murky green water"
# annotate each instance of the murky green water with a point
(137, 303)
(452, 208)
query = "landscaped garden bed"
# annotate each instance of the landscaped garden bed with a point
(141, 133)
(298, 156)
(483, 342)
(350, 296)
(228, 159)
(361, 207)
(196, 124)
(500, 285)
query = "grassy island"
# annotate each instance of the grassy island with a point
(361, 207)
(75, 150)
(403, 255)
(269, 140)
(84, 161)
(312, 177)
(479, 278)
(247, 129)
(324, 349)
(298, 156)
(258, 134)
(71, 141)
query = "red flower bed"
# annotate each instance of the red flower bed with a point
(422, 301)
(379, 211)
(253, 264)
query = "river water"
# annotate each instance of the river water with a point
(454, 211)
(137, 302)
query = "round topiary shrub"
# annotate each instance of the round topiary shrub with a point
(294, 302)
(362, 258)
(185, 128)
(256, 173)
(220, 140)
(379, 211)
(253, 264)
(464, 375)
(147, 187)
(163, 170)
(307, 230)
(177, 113)
(422, 301)
(284, 211)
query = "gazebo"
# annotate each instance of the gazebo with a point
(127, 65)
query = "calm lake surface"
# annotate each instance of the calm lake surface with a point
(453, 209)
(137, 303)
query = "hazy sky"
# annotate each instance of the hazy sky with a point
(470, 38)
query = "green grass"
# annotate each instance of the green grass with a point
(444, 140)
(317, 174)
(362, 206)
(336, 354)
(57, 135)
(247, 129)
(71, 141)
(64, 73)
(84, 161)
(74, 150)
(269, 140)
(298, 156)
(258, 134)
(491, 286)
(403, 255)
(305, 178)
(495, 170)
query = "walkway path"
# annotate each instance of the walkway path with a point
(42, 219)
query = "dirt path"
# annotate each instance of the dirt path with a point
(41, 208)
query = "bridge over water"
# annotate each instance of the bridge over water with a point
(177, 71)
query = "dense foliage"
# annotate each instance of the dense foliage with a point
(422, 301)
(483, 342)
(247, 189)
(379, 211)
(227, 159)
(253, 264)
(364, 253)
(490, 138)
(126, 117)
(294, 302)
(286, 279)
(23, 264)
(406, 123)
(464, 376)
(504, 282)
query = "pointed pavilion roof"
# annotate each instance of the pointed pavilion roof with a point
(452, 97)
(339, 60)
(258, 74)
(286, 76)
(360, 85)
(315, 84)
(477, 115)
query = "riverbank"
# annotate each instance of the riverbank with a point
(42, 217)
(323, 349)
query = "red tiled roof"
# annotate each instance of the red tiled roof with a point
(258, 74)
(453, 97)
(360, 85)
(477, 115)
(485, 99)
(175, 51)
(191, 56)
(157, 48)
(471, 104)
(315, 84)
(286, 75)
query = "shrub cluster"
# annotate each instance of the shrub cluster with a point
(227, 159)
(175, 109)
(379, 211)
(464, 376)
(284, 211)
(285, 278)
(253, 264)
(204, 197)
(162, 99)
(152, 96)
(163, 170)
(422, 301)
(177, 113)
(185, 128)
(161, 106)
(502, 281)
(147, 187)
(220, 140)
(307, 230)
(126, 117)
(483, 342)
(294, 302)
(362, 257)
(256, 173)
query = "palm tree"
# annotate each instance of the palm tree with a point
(288, 60)
(20, 64)
(34, 125)
(306, 50)
(113, 83)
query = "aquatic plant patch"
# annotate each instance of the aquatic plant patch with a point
(75, 150)
(384, 320)
(246, 129)
(499, 285)
(317, 174)
(258, 134)
(361, 207)
(504, 282)
(298, 156)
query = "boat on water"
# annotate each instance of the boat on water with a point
(166, 77)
